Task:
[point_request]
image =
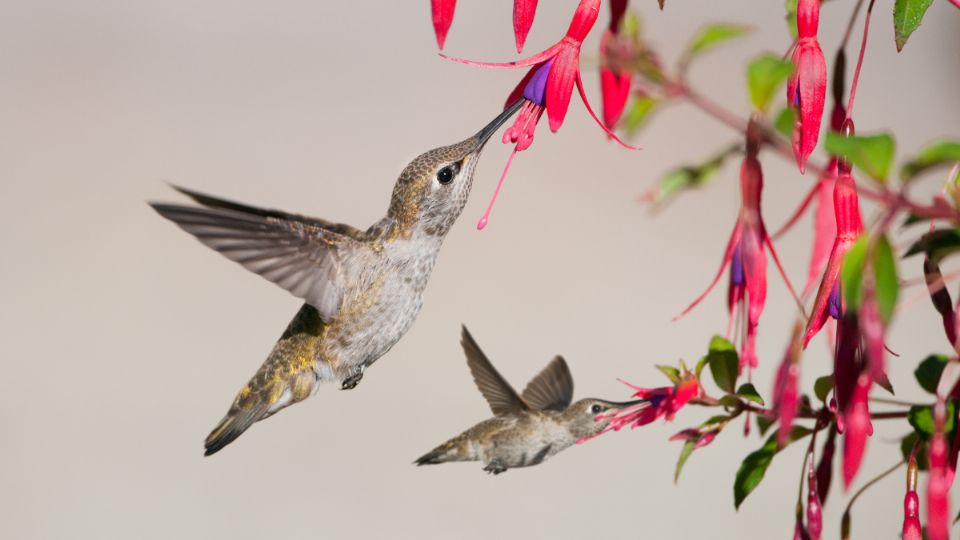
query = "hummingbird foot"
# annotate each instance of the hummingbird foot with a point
(495, 467)
(352, 381)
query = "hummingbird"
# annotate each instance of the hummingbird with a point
(526, 428)
(362, 288)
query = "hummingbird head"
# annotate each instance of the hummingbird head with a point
(433, 189)
(590, 416)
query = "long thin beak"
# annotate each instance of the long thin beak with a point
(484, 134)
(627, 404)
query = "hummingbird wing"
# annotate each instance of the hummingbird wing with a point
(551, 389)
(501, 397)
(302, 255)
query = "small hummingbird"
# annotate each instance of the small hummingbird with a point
(363, 289)
(527, 428)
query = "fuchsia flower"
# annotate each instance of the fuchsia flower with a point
(814, 505)
(858, 428)
(548, 86)
(938, 482)
(786, 394)
(824, 222)
(615, 81)
(911, 503)
(846, 207)
(746, 257)
(806, 88)
(442, 12)
(662, 402)
(523, 13)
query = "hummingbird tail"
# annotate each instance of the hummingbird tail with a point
(447, 451)
(232, 426)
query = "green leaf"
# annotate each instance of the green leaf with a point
(929, 370)
(937, 154)
(638, 113)
(906, 447)
(755, 465)
(712, 35)
(724, 363)
(872, 154)
(921, 418)
(748, 391)
(851, 273)
(688, 448)
(688, 177)
(936, 244)
(716, 419)
(671, 372)
(907, 15)
(700, 365)
(886, 282)
(764, 423)
(791, 6)
(764, 75)
(822, 387)
(786, 120)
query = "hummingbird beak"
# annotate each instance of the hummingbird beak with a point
(484, 134)
(627, 404)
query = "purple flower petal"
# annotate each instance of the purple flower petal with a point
(536, 89)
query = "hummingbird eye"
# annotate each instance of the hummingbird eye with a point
(446, 174)
(596, 409)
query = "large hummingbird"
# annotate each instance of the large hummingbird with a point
(527, 428)
(363, 289)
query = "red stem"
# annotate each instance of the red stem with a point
(863, 48)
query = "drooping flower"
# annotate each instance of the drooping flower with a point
(786, 394)
(814, 505)
(911, 503)
(824, 222)
(523, 13)
(825, 467)
(565, 73)
(442, 12)
(938, 485)
(858, 428)
(662, 402)
(745, 255)
(615, 80)
(846, 206)
(547, 87)
(806, 88)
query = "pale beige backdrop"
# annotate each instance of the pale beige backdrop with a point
(123, 340)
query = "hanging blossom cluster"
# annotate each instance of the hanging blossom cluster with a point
(548, 84)
(852, 281)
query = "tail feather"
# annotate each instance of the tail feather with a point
(232, 426)
(448, 451)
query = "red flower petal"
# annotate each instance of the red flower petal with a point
(858, 428)
(812, 87)
(786, 396)
(523, 13)
(911, 503)
(560, 83)
(808, 18)
(583, 19)
(938, 487)
(442, 12)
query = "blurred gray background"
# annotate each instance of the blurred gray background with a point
(123, 340)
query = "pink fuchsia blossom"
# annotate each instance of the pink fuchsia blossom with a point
(825, 467)
(442, 14)
(565, 73)
(523, 13)
(938, 484)
(807, 87)
(846, 206)
(662, 402)
(858, 428)
(911, 503)
(786, 394)
(814, 505)
(615, 82)
(745, 254)
(700, 437)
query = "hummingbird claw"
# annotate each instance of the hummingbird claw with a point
(495, 467)
(352, 381)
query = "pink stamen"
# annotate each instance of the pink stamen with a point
(486, 215)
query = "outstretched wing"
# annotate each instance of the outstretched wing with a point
(551, 389)
(501, 397)
(302, 255)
